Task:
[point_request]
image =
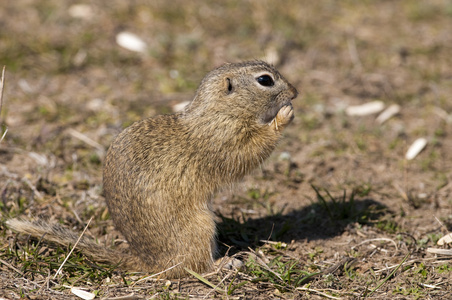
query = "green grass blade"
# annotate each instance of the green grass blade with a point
(204, 280)
(389, 276)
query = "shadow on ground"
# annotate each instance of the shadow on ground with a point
(320, 220)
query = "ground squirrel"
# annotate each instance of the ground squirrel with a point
(161, 173)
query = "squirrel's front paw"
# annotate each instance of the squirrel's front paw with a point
(229, 263)
(284, 116)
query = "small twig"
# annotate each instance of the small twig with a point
(11, 266)
(217, 286)
(87, 140)
(439, 251)
(349, 261)
(353, 51)
(273, 243)
(317, 292)
(32, 187)
(154, 275)
(77, 216)
(378, 239)
(126, 297)
(261, 262)
(431, 286)
(75, 245)
(46, 282)
(2, 84)
(401, 192)
(395, 266)
(435, 260)
(440, 223)
(4, 134)
(271, 232)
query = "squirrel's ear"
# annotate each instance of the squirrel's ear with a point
(228, 86)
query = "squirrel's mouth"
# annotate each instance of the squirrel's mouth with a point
(270, 114)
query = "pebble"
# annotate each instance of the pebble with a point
(284, 156)
(416, 148)
(131, 41)
(81, 11)
(388, 113)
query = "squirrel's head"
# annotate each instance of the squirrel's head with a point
(254, 90)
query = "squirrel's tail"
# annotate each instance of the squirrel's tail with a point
(60, 235)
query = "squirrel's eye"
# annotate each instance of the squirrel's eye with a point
(265, 80)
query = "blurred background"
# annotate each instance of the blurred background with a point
(78, 72)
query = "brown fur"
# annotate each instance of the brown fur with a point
(160, 173)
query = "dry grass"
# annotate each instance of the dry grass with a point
(337, 212)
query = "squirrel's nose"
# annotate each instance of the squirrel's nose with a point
(293, 91)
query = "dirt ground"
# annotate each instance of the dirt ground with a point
(337, 206)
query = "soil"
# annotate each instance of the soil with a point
(338, 189)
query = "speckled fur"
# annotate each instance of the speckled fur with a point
(160, 173)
